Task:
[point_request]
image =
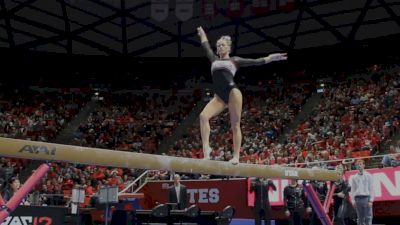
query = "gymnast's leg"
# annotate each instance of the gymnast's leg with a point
(235, 113)
(213, 108)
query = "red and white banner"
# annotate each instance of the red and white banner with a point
(235, 8)
(386, 183)
(184, 9)
(214, 195)
(286, 5)
(209, 8)
(260, 6)
(209, 195)
(159, 9)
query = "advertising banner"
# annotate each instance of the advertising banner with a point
(209, 9)
(386, 183)
(216, 194)
(36, 215)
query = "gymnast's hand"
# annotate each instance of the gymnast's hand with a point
(201, 32)
(276, 57)
(202, 35)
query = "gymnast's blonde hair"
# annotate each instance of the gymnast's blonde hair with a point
(228, 40)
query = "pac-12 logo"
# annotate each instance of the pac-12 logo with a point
(27, 220)
(38, 149)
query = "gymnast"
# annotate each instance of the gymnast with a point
(227, 94)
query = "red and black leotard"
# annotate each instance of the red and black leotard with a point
(223, 71)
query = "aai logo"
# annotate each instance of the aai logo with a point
(33, 149)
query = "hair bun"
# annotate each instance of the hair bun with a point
(226, 37)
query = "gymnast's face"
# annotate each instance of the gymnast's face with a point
(223, 48)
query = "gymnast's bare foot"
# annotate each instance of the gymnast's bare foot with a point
(234, 161)
(207, 151)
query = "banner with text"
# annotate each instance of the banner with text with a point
(214, 195)
(36, 215)
(386, 183)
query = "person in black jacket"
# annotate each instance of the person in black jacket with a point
(178, 194)
(262, 208)
(343, 211)
(295, 201)
(13, 186)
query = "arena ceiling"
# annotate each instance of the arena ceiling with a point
(128, 27)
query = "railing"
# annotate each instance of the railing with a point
(132, 187)
(344, 161)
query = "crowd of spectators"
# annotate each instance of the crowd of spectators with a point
(37, 114)
(352, 119)
(266, 112)
(134, 121)
(127, 121)
(56, 187)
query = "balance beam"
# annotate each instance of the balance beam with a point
(102, 157)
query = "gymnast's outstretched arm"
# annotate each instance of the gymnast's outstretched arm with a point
(206, 44)
(243, 62)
